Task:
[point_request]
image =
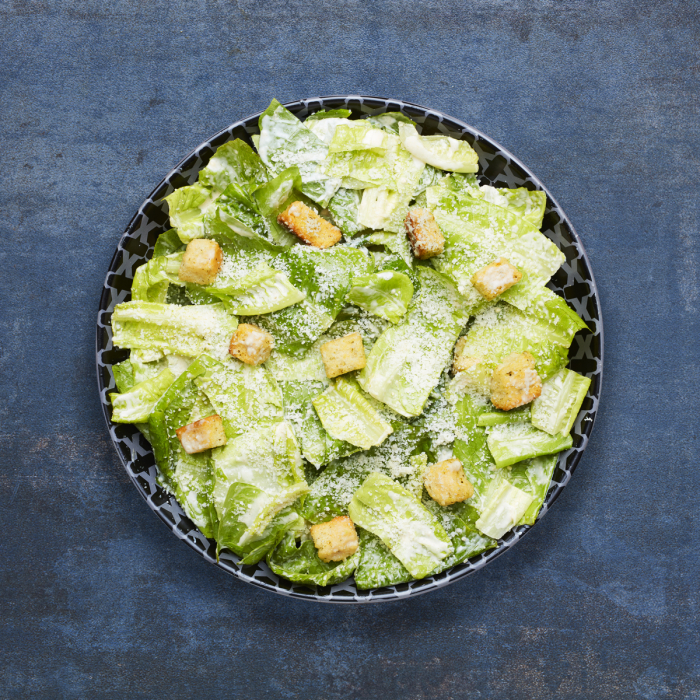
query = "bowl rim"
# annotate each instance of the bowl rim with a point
(522, 530)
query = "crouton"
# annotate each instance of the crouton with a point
(251, 344)
(446, 484)
(343, 355)
(201, 262)
(495, 278)
(515, 382)
(202, 435)
(423, 233)
(335, 540)
(307, 225)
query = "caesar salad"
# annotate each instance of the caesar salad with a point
(344, 352)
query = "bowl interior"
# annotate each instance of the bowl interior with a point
(574, 281)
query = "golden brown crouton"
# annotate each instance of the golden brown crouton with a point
(251, 344)
(446, 484)
(307, 225)
(343, 355)
(515, 382)
(202, 435)
(423, 233)
(495, 278)
(335, 540)
(201, 262)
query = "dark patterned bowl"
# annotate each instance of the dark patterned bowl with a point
(498, 167)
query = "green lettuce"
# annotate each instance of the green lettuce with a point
(505, 506)
(298, 561)
(234, 162)
(412, 533)
(167, 243)
(406, 362)
(386, 294)
(135, 405)
(286, 142)
(513, 443)
(344, 208)
(257, 480)
(347, 415)
(187, 207)
(152, 280)
(557, 407)
(245, 396)
(378, 567)
(441, 152)
(182, 330)
(317, 445)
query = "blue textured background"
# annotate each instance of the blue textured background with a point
(99, 100)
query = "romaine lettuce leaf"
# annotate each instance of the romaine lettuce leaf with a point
(274, 197)
(286, 142)
(386, 294)
(501, 330)
(557, 407)
(180, 405)
(298, 561)
(257, 480)
(344, 207)
(505, 506)
(271, 294)
(187, 207)
(458, 521)
(515, 442)
(182, 330)
(332, 492)
(439, 151)
(152, 280)
(390, 121)
(123, 376)
(135, 405)
(378, 567)
(412, 533)
(406, 362)
(533, 476)
(167, 243)
(317, 446)
(360, 135)
(530, 204)
(234, 162)
(347, 415)
(245, 396)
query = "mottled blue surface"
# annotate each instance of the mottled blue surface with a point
(99, 100)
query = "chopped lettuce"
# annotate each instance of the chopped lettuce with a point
(285, 142)
(234, 162)
(407, 360)
(135, 405)
(317, 445)
(345, 209)
(152, 280)
(505, 506)
(441, 152)
(257, 480)
(187, 207)
(182, 330)
(412, 533)
(349, 416)
(513, 443)
(245, 396)
(557, 407)
(297, 560)
(271, 294)
(386, 294)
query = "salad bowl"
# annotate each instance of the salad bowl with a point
(497, 167)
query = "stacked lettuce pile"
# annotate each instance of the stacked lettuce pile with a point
(302, 449)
